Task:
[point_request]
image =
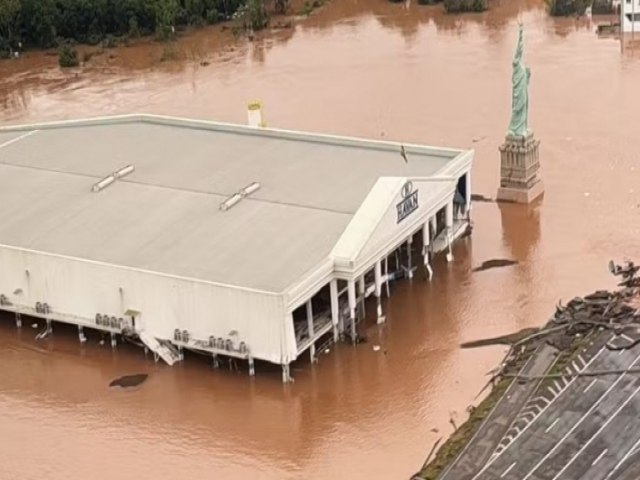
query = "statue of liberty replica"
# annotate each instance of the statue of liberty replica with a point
(519, 163)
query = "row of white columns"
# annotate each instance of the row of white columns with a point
(351, 283)
(338, 323)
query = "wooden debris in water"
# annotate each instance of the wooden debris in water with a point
(618, 311)
(476, 197)
(509, 339)
(128, 381)
(495, 263)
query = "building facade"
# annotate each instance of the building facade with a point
(233, 241)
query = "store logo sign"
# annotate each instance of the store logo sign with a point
(409, 202)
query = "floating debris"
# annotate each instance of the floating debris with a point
(376, 348)
(602, 310)
(128, 381)
(495, 263)
(509, 339)
(476, 197)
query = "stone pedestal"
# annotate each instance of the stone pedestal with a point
(519, 165)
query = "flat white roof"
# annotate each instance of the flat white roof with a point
(164, 217)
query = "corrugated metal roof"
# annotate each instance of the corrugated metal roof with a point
(164, 217)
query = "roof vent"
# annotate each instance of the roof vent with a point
(106, 181)
(254, 115)
(236, 197)
(249, 189)
(230, 202)
(124, 171)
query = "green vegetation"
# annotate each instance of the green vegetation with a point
(455, 6)
(280, 6)
(602, 7)
(310, 5)
(250, 16)
(563, 8)
(68, 56)
(459, 6)
(50, 23)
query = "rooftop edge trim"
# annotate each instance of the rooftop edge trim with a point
(337, 140)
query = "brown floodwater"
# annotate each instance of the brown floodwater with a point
(364, 68)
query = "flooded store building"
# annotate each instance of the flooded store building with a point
(228, 240)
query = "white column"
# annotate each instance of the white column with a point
(361, 289)
(252, 368)
(425, 249)
(351, 290)
(114, 341)
(378, 279)
(312, 348)
(409, 263)
(81, 335)
(285, 373)
(335, 314)
(468, 189)
(449, 220)
(18, 294)
(449, 214)
(386, 273)
(425, 239)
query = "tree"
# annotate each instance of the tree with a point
(251, 16)
(68, 57)
(39, 19)
(9, 21)
(48, 23)
(459, 6)
(194, 11)
(166, 12)
(559, 8)
(280, 6)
